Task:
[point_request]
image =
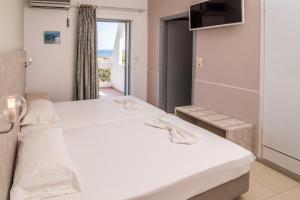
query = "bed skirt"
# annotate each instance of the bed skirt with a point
(228, 191)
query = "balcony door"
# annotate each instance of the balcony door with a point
(113, 53)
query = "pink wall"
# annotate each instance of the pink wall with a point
(229, 80)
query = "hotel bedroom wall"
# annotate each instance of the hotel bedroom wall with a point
(230, 79)
(11, 25)
(52, 69)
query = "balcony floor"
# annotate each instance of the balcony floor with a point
(110, 92)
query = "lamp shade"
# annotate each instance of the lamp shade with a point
(12, 109)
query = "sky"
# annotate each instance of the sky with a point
(107, 32)
(106, 35)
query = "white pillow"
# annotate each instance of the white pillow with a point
(40, 112)
(44, 168)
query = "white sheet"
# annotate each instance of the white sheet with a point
(79, 114)
(128, 160)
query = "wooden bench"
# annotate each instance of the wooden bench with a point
(235, 130)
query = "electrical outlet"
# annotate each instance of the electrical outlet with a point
(199, 62)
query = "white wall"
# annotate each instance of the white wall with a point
(118, 70)
(11, 25)
(53, 66)
(281, 134)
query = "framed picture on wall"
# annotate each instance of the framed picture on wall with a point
(52, 37)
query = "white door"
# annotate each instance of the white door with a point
(281, 120)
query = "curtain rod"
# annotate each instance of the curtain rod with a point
(112, 8)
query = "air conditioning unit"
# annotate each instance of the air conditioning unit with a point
(60, 4)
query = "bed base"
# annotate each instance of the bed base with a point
(228, 191)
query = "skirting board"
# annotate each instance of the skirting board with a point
(279, 169)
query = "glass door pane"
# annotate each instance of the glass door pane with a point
(113, 57)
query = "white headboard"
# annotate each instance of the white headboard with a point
(12, 81)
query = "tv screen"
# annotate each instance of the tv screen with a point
(214, 13)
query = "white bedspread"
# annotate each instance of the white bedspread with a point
(128, 160)
(80, 114)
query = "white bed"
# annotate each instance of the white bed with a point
(80, 114)
(118, 157)
(128, 160)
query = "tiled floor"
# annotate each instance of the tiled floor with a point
(267, 184)
(110, 92)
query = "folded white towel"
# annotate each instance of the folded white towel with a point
(177, 135)
(128, 103)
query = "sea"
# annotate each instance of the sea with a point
(104, 53)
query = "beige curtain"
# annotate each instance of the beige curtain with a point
(86, 81)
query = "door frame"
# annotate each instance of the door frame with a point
(262, 80)
(127, 85)
(163, 63)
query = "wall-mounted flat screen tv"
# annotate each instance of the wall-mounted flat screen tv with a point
(216, 13)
